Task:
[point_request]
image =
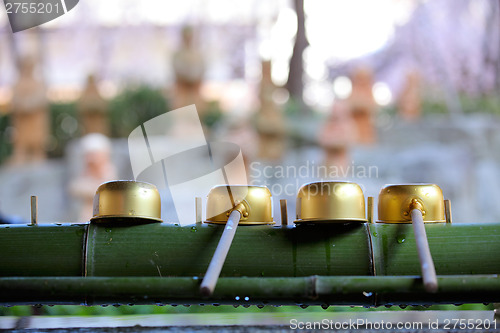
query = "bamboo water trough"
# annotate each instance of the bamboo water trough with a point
(343, 264)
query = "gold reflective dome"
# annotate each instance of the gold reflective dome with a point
(396, 201)
(126, 199)
(256, 201)
(330, 202)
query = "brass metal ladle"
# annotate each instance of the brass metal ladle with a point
(232, 205)
(330, 202)
(416, 204)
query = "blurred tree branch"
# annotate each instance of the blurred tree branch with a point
(295, 83)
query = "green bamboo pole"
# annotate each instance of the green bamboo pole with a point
(262, 251)
(259, 251)
(42, 250)
(151, 290)
(313, 290)
(408, 290)
(456, 248)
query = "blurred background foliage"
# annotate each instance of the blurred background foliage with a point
(137, 104)
(63, 125)
(134, 106)
(127, 110)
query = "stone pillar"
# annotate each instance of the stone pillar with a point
(337, 135)
(30, 116)
(189, 70)
(92, 109)
(270, 121)
(363, 106)
(410, 104)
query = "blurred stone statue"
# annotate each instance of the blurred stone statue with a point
(270, 122)
(97, 169)
(410, 104)
(92, 109)
(189, 70)
(363, 106)
(337, 135)
(30, 116)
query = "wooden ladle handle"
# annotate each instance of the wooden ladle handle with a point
(212, 275)
(424, 253)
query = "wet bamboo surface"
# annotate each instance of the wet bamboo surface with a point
(286, 265)
(262, 251)
(313, 290)
(43, 250)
